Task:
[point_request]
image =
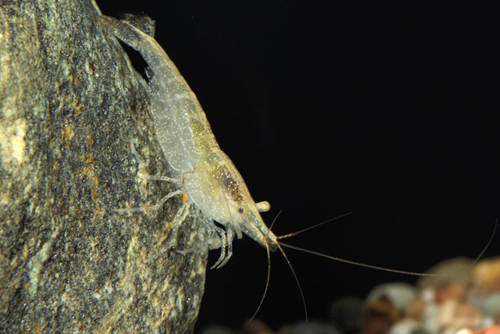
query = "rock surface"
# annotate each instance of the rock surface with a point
(70, 103)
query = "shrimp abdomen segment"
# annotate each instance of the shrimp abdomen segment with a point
(182, 128)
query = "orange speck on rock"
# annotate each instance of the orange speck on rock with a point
(184, 198)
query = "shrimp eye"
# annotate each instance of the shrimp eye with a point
(241, 209)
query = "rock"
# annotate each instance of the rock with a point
(70, 103)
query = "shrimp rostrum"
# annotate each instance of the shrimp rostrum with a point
(204, 173)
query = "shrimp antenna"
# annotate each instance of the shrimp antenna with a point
(269, 275)
(267, 284)
(275, 219)
(354, 262)
(288, 235)
(373, 266)
(295, 277)
(487, 244)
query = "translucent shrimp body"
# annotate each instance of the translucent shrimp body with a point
(203, 171)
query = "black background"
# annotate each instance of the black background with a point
(384, 109)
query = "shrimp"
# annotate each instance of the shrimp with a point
(202, 170)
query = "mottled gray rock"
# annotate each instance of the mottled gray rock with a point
(70, 102)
